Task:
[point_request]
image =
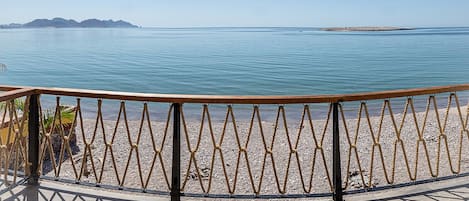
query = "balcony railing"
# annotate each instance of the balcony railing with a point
(239, 146)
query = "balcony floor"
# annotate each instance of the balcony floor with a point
(51, 190)
(451, 189)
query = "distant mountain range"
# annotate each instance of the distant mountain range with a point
(63, 23)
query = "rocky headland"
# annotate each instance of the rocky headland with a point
(64, 23)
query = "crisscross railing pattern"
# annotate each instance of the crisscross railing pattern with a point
(268, 146)
(13, 135)
(272, 146)
(107, 139)
(420, 124)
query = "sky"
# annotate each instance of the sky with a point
(246, 13)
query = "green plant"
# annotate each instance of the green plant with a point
(67, 118)
(19, 104)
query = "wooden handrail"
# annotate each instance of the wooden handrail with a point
(11, 88)
(10, 95)
(241, 99)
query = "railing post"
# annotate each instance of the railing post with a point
(336, 172)
(33, 139)
(176, 165)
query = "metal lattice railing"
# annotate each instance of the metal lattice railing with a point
(420, 126)
(267, 146)
(293, 146)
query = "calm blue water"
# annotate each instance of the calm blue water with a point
(234, 60)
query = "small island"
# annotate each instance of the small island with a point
(63, 23)
(365, 29)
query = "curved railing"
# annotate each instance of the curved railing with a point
(239, 146)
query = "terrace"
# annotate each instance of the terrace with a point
(92, 144)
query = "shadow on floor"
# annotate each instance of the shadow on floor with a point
(456, 189)
(33, 193)
(457, 192)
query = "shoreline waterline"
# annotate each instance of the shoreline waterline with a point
(110, 108)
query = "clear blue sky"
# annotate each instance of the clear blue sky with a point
(213, 13)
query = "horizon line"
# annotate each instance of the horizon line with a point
(314, 27)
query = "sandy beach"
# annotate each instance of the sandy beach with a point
(305, 147)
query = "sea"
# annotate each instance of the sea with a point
(234, 61)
